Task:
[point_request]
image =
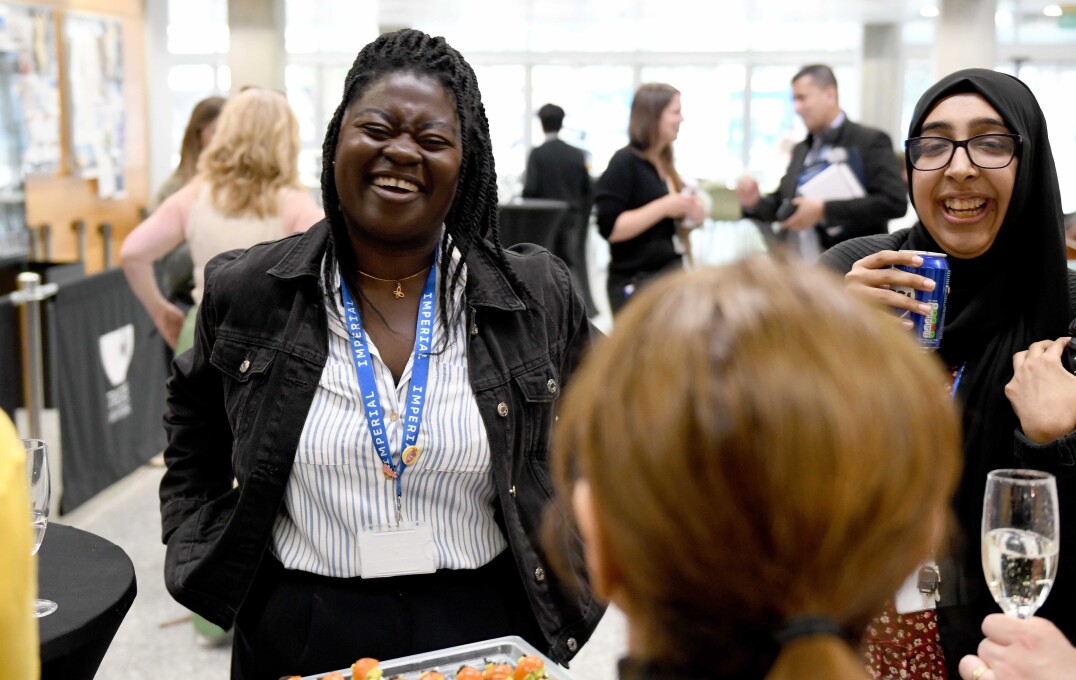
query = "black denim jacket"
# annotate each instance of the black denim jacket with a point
(238, 400)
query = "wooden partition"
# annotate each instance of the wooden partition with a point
(61, 198)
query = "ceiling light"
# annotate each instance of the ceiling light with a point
(929, 11)
(1052, 11)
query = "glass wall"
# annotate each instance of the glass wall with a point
(198, 40)
(596, 101)
(1053, 85)
(711, 141)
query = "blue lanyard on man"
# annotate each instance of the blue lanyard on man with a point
(416, 396)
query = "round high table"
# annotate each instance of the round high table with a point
(93, 582)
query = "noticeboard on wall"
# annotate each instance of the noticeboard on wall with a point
(29, 93)
(94, 66)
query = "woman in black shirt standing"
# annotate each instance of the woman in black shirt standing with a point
(639, 196)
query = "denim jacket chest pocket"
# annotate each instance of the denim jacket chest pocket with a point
(540, 389)
(244, 368)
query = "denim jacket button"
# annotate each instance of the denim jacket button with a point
(512, 491)
(572, 644)
(551, 385)
(245, 366)
(539, 574)
(502, 410)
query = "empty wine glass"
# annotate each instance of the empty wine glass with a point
(1020, 539)
(37, 468)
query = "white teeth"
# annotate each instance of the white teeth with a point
(964, 204)
(395, 183)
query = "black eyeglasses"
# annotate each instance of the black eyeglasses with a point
(989, 152)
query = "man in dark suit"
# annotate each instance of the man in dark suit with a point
(810, 225)
(558, 170)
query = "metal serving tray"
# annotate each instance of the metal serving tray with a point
(506, 649)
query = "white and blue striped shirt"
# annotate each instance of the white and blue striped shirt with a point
(337, 487)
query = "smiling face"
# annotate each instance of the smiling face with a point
(398, 161)
(963, 205)
(669, 123)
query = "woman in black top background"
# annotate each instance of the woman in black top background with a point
(639, 199)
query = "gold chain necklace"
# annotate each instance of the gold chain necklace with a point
(398, 291)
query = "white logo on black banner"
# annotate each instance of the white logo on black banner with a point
(117, 351)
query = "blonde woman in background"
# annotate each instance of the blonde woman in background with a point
(786, 497)
(246, 191)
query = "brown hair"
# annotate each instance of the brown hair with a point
(759, 445)
(647, 106)
(203, 115)
(253, 155)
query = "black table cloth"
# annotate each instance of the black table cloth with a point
(93, 582)
(531, 220)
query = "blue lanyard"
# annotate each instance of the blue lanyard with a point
(420, 372)
(956, 381)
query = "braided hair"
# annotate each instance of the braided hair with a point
(472, 218)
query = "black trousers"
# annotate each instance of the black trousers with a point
(297, 623)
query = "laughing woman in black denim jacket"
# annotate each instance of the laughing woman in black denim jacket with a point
(382, 388)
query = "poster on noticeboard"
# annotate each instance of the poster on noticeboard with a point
(29, 93)
(94, 56)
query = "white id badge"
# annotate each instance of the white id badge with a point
(397, 551)
(911, 598)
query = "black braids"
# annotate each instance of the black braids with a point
(472, 218)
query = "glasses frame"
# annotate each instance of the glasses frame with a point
(1018, 143)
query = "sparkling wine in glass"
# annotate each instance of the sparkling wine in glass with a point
(37, 468)
(1020, 539)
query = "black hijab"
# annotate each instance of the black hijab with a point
(1014, 294)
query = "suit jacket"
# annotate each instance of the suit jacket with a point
(872, 158)
(558, 170)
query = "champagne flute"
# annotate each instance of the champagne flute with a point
(1020, 539)
(37, 468)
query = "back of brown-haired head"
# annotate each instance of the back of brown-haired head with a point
(758, 445)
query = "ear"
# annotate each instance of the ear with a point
(605, 574)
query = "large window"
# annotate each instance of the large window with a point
(197, 63)
(710, 145)
(596, 101)
(1053, 85)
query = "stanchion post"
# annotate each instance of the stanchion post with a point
(28, 298)
(106, 242)
(79, 226)
(46, 240)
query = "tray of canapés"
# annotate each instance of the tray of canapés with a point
(504, 658)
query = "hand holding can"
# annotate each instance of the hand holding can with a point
(928, 325)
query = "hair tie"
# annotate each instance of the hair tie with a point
(806, 625)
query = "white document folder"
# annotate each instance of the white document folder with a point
(836, 183)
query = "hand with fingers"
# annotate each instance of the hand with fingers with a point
(1042, 392)
(1015, 649)
(876, 278)
(808, 212)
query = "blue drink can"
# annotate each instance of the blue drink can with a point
(928, 327)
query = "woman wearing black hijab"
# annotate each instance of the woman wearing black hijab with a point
(994, 208)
